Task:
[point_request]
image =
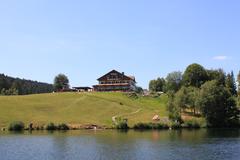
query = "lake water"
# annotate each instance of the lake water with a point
(200, 144)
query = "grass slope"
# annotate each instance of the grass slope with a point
(79, 108)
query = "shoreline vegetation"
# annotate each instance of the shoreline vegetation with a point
(20, 126)
(188, 124)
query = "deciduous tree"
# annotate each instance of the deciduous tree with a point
(186, 98)
(195, 75)
(61, 82)
(219, 75)
(181, 98)
(218, 105)
(157, 85)
(174, 112)
(173, 81)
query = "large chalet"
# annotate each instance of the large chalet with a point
(115, 81)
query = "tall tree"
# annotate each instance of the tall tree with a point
(219, 75)
(186, 98)
(3, 82)
(218, 105)
(193, 94)
(238, 79)
(18, 86)
(195, 75)
(61, 82)
(152, 85)
(181, 98)
(174, 112)
(231, 84)
(173, 81)
(157, 85)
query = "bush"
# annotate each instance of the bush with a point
(62, 126)
(121, 123)
(193, 123)
(159, 126)
(155, 94)
(16, 126)
(176, 125)
(51, 126)
(39, 127)
(132, 95)
(147, 126)
(142, 126)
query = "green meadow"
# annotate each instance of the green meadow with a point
(80, 108)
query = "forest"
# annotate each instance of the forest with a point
(201, 92)
(17, 86)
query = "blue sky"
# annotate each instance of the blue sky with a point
(144, 38)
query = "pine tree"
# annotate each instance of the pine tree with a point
(238, 79)
(231, 84)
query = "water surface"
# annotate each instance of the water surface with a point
(201, 144)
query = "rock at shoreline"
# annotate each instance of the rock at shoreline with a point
(156, 118)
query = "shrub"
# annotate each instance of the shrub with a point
(155, 94)
(16, 126)
(121, 123)
(142, 126)
(147, 126)
(176, 125)
(132, 95)
(159, 126)
(62, 126)
(193, 123)
(51, 126)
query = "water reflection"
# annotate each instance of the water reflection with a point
(176, 144)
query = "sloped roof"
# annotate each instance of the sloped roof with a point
(132, 77)
(129, 77)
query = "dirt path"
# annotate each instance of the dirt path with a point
(114, 117)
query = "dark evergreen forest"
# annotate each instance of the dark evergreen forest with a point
(17, 86)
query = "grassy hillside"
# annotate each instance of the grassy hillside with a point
(79, 108)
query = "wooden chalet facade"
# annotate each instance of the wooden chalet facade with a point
(115, 81)
(82, 89)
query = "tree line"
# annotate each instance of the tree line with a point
(17, 86)
(212, 94)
